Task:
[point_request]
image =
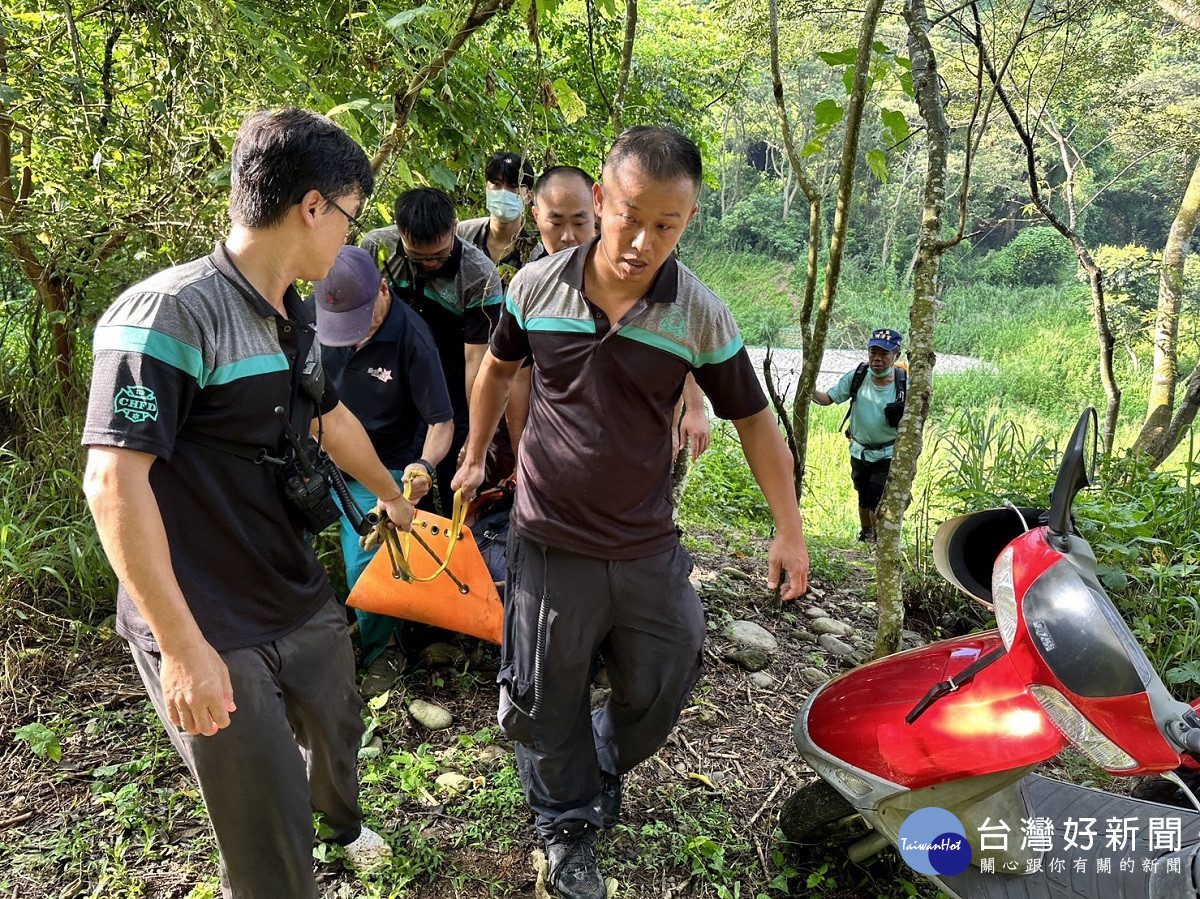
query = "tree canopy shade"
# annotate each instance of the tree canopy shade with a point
(116, 121)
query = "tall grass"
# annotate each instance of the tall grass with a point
(49, 550)
(993, 434)
(758, 290)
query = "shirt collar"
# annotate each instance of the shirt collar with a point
(664, 288)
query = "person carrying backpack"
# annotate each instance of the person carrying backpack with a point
(876, 404)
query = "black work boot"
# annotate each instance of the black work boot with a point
(610, 798)
(572, 855)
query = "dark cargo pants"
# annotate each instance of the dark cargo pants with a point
(291, 748)
(645, 619)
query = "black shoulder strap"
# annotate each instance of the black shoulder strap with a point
(952, 684)
(860, 375)
(901, 384)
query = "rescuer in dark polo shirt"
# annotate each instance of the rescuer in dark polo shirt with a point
(234, 627)
(380, 356)
(595, 564)
(453, 286)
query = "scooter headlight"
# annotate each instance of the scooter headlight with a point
(1071, 723)
(1004, 597)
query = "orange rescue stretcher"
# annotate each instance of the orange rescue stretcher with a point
(434, 574)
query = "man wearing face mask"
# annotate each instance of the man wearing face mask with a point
(502, 233)
(453, 286)
(876, 404)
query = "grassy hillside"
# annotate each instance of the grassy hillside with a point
(1040, 339)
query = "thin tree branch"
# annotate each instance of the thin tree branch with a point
(618, 106)
(591, 30)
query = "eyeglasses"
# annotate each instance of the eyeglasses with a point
(437, 259)
(356, 227)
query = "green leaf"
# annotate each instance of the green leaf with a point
(42, 740)
(443, 177)
(360, 103)
(896, 124)
(573, 109)
(848, 80)
(813, 147)
(1181, 674)
(841, 58)
(828, 112)
(878, 163)
(880, 47)
(1113, 578)
(400, 19)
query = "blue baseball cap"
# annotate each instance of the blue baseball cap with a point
(346, 298)
(886, 339)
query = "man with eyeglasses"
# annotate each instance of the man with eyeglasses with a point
(453, 286)
(233, 624)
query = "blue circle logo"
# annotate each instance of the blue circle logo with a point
(933, 841)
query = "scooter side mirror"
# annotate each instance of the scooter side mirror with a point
(965, 548)
(1075, 472)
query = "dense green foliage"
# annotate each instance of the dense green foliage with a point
(1035, 257)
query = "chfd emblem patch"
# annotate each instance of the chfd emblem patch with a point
(138, 404)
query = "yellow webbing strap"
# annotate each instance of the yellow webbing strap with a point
(399, 543)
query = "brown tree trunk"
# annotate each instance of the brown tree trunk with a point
(797, 431)
(922, 320)
(814, 341)
(54, 294)
(618, 108)
(1104, 337)
(1159, 435)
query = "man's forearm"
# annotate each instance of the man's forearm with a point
(693, 396)
(438, 439)
(473, 354)
(196, 688)
(488, 400)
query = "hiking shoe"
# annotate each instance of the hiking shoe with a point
(572, 855)
(610, 799)
(866, 535)
(383, 673)
(368, 851)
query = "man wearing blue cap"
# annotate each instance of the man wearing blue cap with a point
(382, 359)
(876, 404)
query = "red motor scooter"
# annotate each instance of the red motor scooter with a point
(958, 726)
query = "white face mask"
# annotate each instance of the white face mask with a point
(505, 205)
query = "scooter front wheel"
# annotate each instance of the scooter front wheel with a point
(808, 813)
